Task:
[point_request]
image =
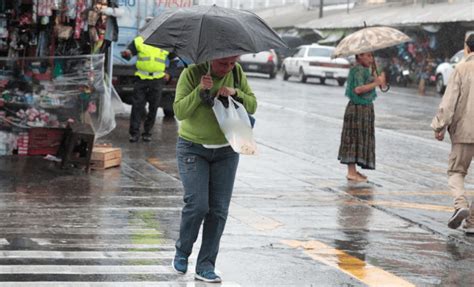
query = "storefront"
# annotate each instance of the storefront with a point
(437, 32)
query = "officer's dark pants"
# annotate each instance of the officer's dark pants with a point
(145, 91)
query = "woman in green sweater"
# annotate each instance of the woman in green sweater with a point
(358, 132)
(207, 164)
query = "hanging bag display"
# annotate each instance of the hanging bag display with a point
(235, 124)
(64, 32)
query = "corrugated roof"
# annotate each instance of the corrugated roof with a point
(287, 16)
(459, 11)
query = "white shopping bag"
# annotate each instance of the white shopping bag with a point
(235, 124)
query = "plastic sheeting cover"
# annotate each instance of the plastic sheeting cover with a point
(52, 91)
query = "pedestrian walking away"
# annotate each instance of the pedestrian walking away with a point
(358, 133)
(207, 164)
(150, 78)
(456, 115)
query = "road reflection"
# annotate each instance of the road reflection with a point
(354, 218)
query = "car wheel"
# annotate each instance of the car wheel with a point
(301, 76)
(440, 87)
(322, 81)
(341, 82)
(286, 76)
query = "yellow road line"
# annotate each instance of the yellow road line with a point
(156, 162)
(252, 218)
(412, 205)
(354, 267)
(366, 191)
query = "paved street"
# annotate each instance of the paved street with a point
(294, 219)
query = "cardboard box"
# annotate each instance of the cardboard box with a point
(105, 157)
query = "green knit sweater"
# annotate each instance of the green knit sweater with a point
(197, 121)
(359, 76)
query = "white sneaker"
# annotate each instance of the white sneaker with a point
(468, 228)
(208, 276)
(459, 215)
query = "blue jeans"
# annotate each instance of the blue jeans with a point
(208, 177)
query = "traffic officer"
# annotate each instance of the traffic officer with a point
(151, 76)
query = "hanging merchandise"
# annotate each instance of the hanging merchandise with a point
(15, 46)
(63, 32)
(71, 7)
(112, 29)
(79, 25)
(45, 7)
(3, 27)
(58, 5)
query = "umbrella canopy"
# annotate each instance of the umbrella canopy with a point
(369, 40)
(203, 33)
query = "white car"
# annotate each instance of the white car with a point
(314, 61)
(444, 70)
(265, 62)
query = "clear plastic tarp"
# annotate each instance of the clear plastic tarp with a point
(51, 92)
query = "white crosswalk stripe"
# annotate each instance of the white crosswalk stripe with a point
(86, 254)
(113, 284)
(91, 262)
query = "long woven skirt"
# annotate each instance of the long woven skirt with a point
(358, 136)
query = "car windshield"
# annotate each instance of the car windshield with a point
(319, 52)
(457, 57)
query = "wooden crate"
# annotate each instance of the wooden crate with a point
(105, 157)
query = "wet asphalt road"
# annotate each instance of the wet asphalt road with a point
(294, 219)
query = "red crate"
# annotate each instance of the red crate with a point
(44, 141)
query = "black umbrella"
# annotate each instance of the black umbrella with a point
(203, 33)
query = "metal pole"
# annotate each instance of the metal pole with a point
(321, 4)
(348, 6)
(111, 66)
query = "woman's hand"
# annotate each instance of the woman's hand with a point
(226, 92)
(380, 80)
(206, 82)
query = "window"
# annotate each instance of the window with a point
(319, 52)
(300, 53)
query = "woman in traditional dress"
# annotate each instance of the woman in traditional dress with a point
(358, 133)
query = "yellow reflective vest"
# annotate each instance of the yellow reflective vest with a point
(151, 61)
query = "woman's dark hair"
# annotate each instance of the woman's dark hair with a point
(470, 42)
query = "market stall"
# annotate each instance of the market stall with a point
(52, 58)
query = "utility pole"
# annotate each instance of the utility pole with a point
(321, 4)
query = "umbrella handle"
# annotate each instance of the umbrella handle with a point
(387, 85)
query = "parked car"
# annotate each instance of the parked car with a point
(292, 42)
(314, 61)
(265, 62)
(444, 70)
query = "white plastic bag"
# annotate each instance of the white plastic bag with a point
(235, 124)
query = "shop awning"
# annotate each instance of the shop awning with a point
(332, 37)
(388, 15)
